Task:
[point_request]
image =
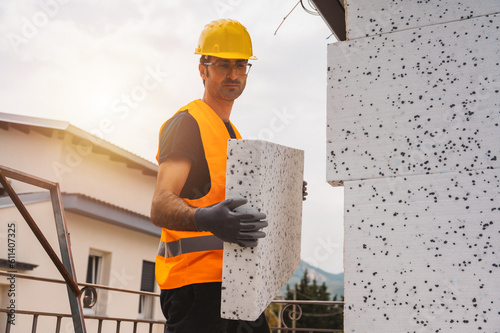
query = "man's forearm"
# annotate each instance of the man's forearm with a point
(171, 212)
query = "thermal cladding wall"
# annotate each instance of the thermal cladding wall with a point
(413, 134)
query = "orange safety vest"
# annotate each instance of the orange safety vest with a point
(187, 257)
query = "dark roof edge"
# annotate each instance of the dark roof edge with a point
(26, 198)
(86, 206)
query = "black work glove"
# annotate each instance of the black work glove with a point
(304, 190)
(232, 227)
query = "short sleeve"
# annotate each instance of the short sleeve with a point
(180, 137)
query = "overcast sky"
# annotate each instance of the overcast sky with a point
(120, 68)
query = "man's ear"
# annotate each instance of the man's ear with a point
(203, 72)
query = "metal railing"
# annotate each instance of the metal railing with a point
(294, 314)
(66, 269)
(59, 316)
(65, 264)
(89, 301)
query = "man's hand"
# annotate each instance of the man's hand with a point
(230, 226)
(304, 190)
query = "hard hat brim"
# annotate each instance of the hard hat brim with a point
(227, 55)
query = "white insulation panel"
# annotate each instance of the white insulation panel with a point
(370, 17)
(270, 176)
(417, 101)
(422, 253)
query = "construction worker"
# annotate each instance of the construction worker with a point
(189, 202)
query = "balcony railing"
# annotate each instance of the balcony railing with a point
(101, 319)
(34, 316)
(66, 269)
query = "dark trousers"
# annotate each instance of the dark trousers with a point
(195, 308)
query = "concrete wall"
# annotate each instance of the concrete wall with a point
(413, 132)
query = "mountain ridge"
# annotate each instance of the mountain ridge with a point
(333, 282)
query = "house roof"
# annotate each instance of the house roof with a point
(99, 146)
(93, 208)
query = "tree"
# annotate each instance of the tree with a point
(314, 316)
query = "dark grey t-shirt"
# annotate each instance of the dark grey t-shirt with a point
(180, 137)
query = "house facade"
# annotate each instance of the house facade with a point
(106, 194)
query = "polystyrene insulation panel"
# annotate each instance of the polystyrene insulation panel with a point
(422, 253)
(369, 17)
(417, 101)
(270, 176)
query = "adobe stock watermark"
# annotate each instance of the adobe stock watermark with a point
(118, 279)
(122, 106)
(278, 123)
(325, 248)
(222, 7)
(120, 109)
(31, 26)
(11, 279)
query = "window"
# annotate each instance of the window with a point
(98, 272)
(94, 271)
(147, 284)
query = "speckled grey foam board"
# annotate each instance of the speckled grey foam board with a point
(422, 253)
(369, 17)
(270, 176)
(415, 102)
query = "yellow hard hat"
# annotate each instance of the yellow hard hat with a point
(227, 39)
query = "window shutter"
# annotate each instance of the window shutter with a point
(148, 276)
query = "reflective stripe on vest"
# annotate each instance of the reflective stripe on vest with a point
(188, 245)
(187, 257)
